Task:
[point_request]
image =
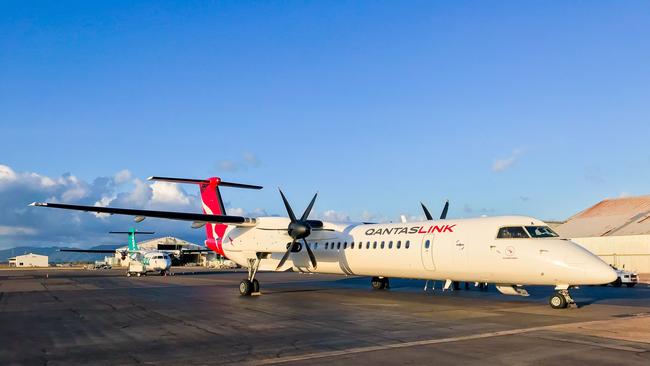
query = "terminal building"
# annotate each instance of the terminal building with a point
(617, 230)
(29, 260)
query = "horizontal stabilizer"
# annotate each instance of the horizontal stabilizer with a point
(183, 216)
(132, 232)
(216, 181)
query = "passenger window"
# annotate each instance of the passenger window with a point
(338, 246)
(352, 245)
(374, 245)
(327, 245)
(399, 244)
(390, 245)
(427, 244)
(382, 245)
(345, 245)
(407, 244)
(513, 232)
(368, 245)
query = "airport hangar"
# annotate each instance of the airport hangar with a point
(172, 245)
(617, 230)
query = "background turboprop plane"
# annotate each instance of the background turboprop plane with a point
(510, 251)
(142, 261)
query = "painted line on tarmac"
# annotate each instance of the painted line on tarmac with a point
(590, 343)
(357, 350)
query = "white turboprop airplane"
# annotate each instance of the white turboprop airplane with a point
(509, 251)
(141, 261)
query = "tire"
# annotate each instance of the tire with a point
(630, 285)
(617, 283)
(128, 274)
(377, 283)
(245, 288)
(139, 274)
(557, 301)
(256, 286)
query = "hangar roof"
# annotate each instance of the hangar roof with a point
(165, 242)
(610, 217)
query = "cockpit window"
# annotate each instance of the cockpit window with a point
(541, 232)
(513, 232)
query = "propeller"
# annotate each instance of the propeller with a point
(443, 215)
(299, 229)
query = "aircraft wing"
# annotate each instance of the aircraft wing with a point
(89, 250)
(196, 251)
(171, 215)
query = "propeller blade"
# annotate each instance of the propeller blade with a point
(427, 214)
(312, 258)
(286, 255)
(288, 207)
(443, 215)
(308, 209)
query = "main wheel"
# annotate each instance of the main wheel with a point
(630, 284)
(139, 274)
(128, 274)
(256, 286)
(617, 283)
(245, 288)
(377, 283)
(557, 301)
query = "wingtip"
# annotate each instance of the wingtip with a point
(34, 204)
(150, 178)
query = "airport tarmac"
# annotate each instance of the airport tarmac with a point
(104, 318)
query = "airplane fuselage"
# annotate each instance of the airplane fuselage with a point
(460, 250)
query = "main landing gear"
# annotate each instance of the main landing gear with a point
(561, 299)
(380, 283)
(251, 285)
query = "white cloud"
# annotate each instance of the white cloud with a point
(16, 230)
(6, 174)
(501, 165)
(227, 166)
(251, 159)
(238, 211)
(168, 194)
(248, 160)
(122, 176)
(62, 227)
(332, 215)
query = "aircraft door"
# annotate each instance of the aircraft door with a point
(426, 250)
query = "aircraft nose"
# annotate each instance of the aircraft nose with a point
(599, 272)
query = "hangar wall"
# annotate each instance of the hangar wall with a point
(631, 252)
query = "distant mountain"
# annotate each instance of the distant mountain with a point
(55, 255)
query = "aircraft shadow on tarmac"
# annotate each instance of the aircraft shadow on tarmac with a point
(584, 295)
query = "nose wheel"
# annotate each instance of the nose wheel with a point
(561, 300)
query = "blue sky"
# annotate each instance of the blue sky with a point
(538, 108)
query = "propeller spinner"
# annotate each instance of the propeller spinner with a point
(298, 229)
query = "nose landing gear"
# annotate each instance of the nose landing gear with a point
(561, 299)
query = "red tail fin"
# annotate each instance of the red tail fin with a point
(212, 204)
